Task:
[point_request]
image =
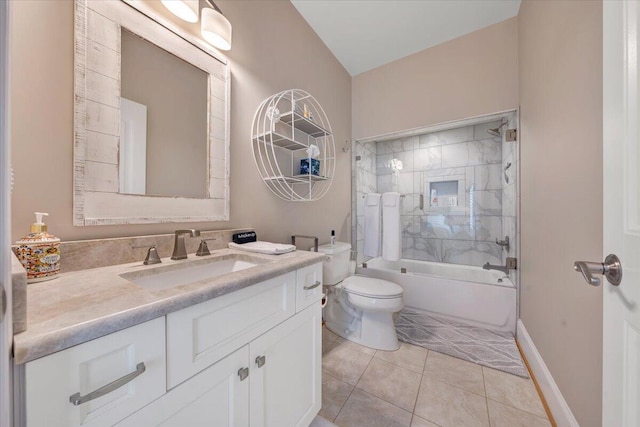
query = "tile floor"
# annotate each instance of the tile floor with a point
(415, 387)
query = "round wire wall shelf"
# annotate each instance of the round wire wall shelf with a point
(293, 146)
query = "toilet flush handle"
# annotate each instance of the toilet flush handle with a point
(309, 287)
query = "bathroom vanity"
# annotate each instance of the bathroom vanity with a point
(239, 348)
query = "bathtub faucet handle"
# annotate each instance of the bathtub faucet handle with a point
(504, 243)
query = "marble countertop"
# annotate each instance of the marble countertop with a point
(83, 305)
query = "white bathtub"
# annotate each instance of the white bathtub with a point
(459, 292)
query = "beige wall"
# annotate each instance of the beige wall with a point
(469, 76)
(273, 49)
(560, 54)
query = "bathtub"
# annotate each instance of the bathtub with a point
(484, 298)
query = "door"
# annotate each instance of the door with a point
(621, 338)
(6, 322)
(285, 372)
(217, 396)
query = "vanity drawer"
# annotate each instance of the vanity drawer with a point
(136, 355)
(201, 335)
(308, 286)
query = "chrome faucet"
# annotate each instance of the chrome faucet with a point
(511, 264)
(179, 250)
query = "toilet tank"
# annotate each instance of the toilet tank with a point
(335, 267)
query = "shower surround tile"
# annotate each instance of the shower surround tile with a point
(405, 183)
(489, 228)
(427, 249)
(451, 136)
(397, 145)
(488, 177)
(383, 164)
(470, 252)
(385, 183)
(487, 202)
(427, 158)
(471, 153)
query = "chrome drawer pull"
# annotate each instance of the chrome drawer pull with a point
(309, 287)
(260, 361)
(77, 399)
(243, 373)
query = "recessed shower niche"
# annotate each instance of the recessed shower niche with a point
(444, 193)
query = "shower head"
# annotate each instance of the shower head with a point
(497, 131)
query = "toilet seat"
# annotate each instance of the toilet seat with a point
(371, 287)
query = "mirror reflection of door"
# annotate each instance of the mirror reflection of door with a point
(133, 147)
(169, 157)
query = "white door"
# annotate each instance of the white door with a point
(216, 397)
(621, 340)
(285, 372)
(6, 323)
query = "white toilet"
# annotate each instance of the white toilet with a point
(359, 308)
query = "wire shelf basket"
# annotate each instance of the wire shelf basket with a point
(293, 146)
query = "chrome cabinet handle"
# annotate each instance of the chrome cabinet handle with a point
(611, 268)
(260, 361)
(309, 287)
(243, 373)
(77, 399)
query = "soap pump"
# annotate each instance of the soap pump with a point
(39, 252)
(333, 237)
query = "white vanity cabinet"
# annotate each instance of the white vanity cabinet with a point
(249, 358)
(274, 381)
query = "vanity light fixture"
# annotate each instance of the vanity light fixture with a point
(215, 28)
(183, 9)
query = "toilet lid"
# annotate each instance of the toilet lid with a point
(371, 287)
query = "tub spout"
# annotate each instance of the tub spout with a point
(488, 266)
(511, 265)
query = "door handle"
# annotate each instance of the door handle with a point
(78, 399)
(260, 361)
(611, 268)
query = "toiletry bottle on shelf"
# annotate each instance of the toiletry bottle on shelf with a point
(434, 197)
(39, 252)
(333, 237)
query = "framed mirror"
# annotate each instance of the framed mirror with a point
(151, 120)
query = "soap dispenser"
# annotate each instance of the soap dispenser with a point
(333, 237)
(39, 252)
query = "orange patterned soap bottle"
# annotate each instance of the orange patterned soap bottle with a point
(39, 252)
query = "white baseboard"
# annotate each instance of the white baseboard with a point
(557, 405)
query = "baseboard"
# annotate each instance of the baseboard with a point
(555, 401)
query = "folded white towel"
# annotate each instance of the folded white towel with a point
(372, 223)
(391, 227)
(263, 247)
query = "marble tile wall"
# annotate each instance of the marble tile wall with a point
(464, 234)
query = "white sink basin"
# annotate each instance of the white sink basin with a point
(162, 278)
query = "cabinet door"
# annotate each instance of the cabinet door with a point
(218, 397)
(286, 385)
(87, 371)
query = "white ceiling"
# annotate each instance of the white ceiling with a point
(365, 34)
